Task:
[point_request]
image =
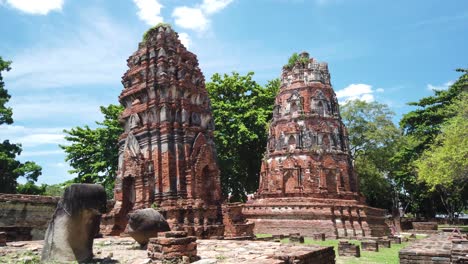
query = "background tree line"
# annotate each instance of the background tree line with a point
(419, 167)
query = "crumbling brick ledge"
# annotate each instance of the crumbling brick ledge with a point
(438, 248)
(24, 217)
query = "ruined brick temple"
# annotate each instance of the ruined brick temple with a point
(167, 157)
(307, 180)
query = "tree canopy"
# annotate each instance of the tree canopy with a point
(11, 168)
(421, 128)
(241, 110)
(373, 139)
(93, 153)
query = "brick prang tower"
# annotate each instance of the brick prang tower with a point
(167, 157)
(307, 180)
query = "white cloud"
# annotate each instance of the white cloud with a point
(86, 55)
(32, 137)
(444, 86)
(36, 7)
(34, 107)
(358, 91)
(380, 90)
(197, 18)
(41, 153)
(185, 39)
(213, 6)
(41, 139)
(149, 11)
(190, 18)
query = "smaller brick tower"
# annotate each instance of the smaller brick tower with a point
(167, 157)
(307, 180)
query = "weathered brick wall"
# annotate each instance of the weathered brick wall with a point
(235, 224)
(425, 225)
(25, 217)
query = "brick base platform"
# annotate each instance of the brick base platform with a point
(309, 216)
(437, 248)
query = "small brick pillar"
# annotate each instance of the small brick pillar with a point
(383, 242)
(319, 236)
(3, 239)
(279, 236)
(348, 249)
(296, 238)
(235, 224)
(395, 239)
(370, 245)
(174, 246)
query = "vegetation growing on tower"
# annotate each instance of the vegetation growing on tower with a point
(147, 33)
(297, 58)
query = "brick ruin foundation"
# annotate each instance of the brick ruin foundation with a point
(370, 245)
(167, 156)
(307, 181)
(173, 247)
(345, 248)
(438, 249)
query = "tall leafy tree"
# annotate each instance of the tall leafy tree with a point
(241, 110)
(373, 139)
(444, 165)
(93, 153)
(421, 128)
(10, 168)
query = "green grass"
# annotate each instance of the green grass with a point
(385, 255)
(262, 235)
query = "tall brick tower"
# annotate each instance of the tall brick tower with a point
(167, 156)
(307, 180)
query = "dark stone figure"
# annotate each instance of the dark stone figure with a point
(144, 224)
(70, 234)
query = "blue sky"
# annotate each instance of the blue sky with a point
(68, 55)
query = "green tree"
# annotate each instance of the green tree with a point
(31, 188)
(10, 168)
(444, 165)
(241, 110)
(421, 127)
(93, 153)
(373, 139)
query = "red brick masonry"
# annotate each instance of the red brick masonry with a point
(173, 247)
(235, 224)
(307, 181)
(167, 156)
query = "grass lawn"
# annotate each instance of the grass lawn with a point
(385, 255)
